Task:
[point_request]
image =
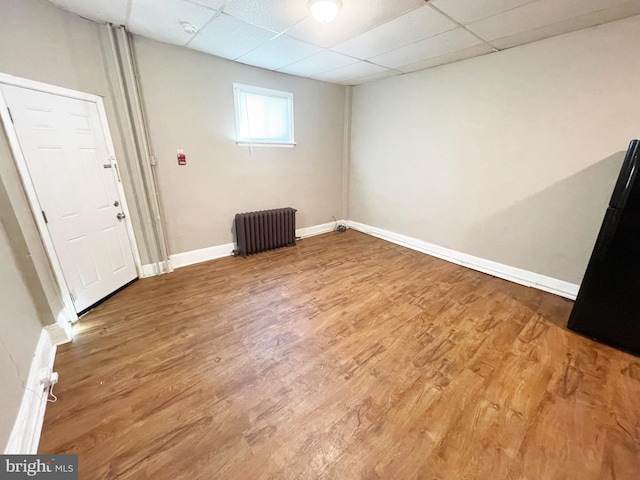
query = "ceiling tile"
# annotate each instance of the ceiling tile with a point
(467, 11)
(161, 21)
(276, 15)
(349, 72)
(318, 63)
(355, 17)
(279, 52)
(475, 51)
(401, 35)
(416, 25)
(227, 37)
(431, 47)
(617, 12)
(535, 15)
(114, 11)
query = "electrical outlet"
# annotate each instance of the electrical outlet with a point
(48, 377)
(45, 376)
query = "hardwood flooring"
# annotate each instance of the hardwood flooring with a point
(345, 357)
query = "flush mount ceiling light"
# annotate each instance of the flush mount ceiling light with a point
(324, 10)
(190, 28)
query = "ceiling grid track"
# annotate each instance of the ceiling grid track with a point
(460, 25)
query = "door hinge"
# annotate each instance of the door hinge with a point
(73, 298)
(10, 116)
(44, 215)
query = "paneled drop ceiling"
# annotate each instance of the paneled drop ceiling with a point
(369, 39)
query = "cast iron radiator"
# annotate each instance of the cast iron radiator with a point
(260, 231)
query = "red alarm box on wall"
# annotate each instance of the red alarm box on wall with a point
(182, 158)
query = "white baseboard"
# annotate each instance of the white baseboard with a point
(317, 229)
(60, 333)
(153, 269)
(513, 274)
(201, 255)
(149, 270)
(25, 436)
(211, 253)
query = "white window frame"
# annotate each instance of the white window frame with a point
(240, 89)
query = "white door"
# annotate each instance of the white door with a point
(64, 146)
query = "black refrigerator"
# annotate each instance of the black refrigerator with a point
(607, 308)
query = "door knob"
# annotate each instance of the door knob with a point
(120, 216)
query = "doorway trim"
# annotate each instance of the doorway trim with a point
(30, 191)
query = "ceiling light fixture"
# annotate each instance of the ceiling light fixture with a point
(190, 28)
(324, 10)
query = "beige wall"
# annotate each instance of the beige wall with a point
(511, 157)
(19, 333)
(189, 103)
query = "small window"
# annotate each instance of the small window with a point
(263, 116)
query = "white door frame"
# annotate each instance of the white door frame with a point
(30, 190)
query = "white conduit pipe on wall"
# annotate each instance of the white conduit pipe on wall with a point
(133, 163)
(128, 77)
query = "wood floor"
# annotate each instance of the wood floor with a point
(345, 357)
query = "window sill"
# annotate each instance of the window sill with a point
(265, 144)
